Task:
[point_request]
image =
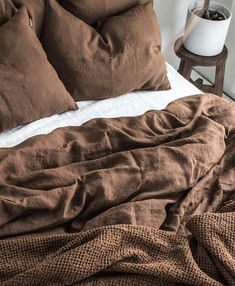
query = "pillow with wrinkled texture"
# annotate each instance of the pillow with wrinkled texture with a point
(92, 10)
(123, 55)
(29, 86)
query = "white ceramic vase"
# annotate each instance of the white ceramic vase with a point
(206, 37)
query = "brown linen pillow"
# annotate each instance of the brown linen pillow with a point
(124, 55)
(92, 10)
(29, 86)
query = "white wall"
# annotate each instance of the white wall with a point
(172, 16)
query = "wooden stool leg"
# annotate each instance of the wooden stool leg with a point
(219, 79)
(185, 69)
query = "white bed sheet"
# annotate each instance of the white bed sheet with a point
(131, 104)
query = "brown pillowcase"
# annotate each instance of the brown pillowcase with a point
(124, 55)
(35, 8)
(29, 86)
(92, 10)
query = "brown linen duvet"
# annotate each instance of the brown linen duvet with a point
(147, 200)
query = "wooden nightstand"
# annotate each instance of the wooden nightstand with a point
(190, 60)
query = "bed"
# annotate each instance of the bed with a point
(144, 199)
(114, 169)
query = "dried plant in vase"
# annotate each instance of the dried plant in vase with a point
(210, 14)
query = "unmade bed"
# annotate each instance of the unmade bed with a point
(134, 200)
(114, 170)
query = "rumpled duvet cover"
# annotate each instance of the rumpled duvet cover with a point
(147, 200)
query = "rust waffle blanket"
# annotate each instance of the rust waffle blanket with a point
(148, 200)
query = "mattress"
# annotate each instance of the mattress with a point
(131, 104)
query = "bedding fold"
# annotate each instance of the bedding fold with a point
(127, 201)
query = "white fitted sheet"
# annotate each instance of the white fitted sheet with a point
(131, 104)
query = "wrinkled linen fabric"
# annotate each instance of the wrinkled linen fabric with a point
(90, 11)
(147, 200)
(122, 54)
(29, 86)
